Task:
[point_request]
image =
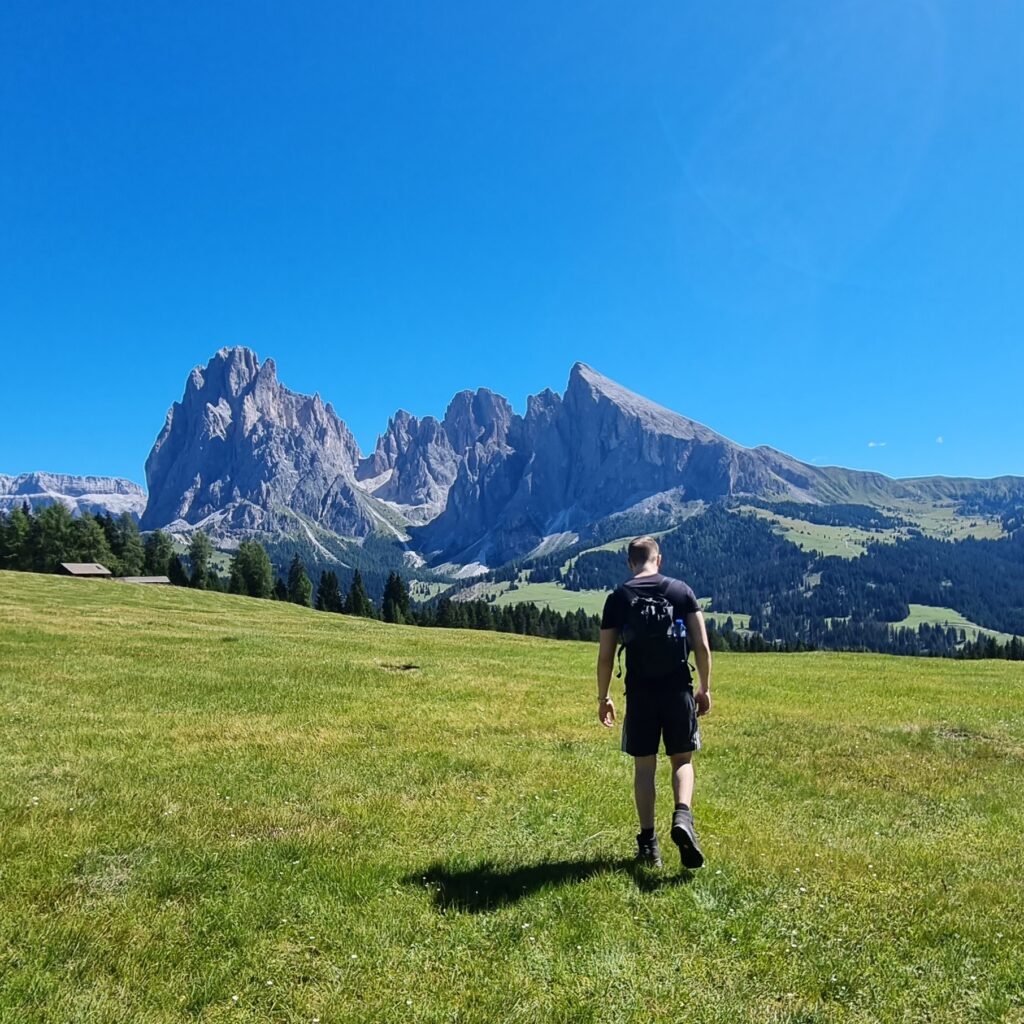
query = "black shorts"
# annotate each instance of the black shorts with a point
(656, 710)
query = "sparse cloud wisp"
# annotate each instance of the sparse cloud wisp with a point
(877, 444)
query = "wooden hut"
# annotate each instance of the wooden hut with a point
(85, 570)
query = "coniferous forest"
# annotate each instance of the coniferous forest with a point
(796, 600)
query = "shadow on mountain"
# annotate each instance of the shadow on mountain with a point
(489, 886)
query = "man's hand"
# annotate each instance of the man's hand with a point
(702, 698)
(606, 712)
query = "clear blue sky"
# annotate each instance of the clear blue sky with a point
(799, 223)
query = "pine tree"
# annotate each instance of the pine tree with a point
(176, 572)
(358, 601)
(200, 551)
(49, 537)
(300, 589)
(88, 542)
(129, 551)
(251, 571)
(395, 605)
(109, 526)
(328, 593)
(280, 590)
(236, 578)
(158, 549)
(15, 540)
(443, 616)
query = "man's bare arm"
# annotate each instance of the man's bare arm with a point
(697, 634)
(605, 664)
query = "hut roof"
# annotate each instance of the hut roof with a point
(84, 569)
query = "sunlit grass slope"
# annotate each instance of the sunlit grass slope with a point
(221, 809)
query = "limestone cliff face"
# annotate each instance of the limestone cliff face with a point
(240, 447)
(598, 450)
(412, 466)
(416, 461)
(241, 453)
(94, 494)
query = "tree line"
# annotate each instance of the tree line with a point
(802, 597)
(852, 606)
(40, 540)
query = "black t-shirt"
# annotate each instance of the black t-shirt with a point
(616, 606)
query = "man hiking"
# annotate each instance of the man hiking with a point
(657, 618)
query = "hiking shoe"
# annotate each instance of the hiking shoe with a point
(685, 837)
(648, 853)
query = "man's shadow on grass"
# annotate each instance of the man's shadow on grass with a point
(488, 886)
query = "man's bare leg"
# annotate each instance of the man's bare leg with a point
(684, 835)
(643, 789)
(682, 778)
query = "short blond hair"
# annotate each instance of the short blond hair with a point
(642, 550)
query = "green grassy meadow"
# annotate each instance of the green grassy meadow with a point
(222, 809)
(935, 616)
(555, 596)
(934, 520)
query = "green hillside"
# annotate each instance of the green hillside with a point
(946, 617)
(221, 809)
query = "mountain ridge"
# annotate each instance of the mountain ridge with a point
(240, 452)
(96, 494)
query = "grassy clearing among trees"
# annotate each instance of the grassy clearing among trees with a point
(946, 617)
(223, 809)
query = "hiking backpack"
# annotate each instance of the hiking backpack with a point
(655, 638)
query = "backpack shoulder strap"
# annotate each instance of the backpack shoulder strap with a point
(624, 593)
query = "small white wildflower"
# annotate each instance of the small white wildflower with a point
(408, 1002)
(353, 957)
(269, 983)
(234, 999)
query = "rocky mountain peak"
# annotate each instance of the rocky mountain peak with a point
(477, 417)
(587, 388)
(229, 372)
(240, 438)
